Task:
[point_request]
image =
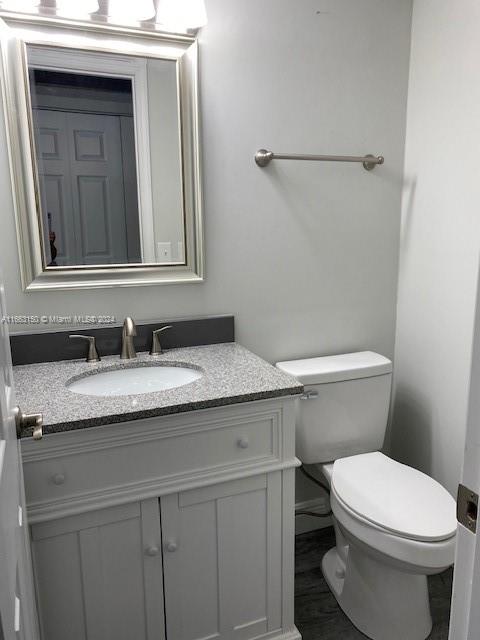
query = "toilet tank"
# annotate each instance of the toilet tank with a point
(344, 409)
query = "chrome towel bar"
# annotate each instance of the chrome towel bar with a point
(264, 157)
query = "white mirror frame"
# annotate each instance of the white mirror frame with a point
(16, 33)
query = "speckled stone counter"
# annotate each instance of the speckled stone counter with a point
(231, 374)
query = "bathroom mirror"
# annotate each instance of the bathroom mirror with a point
(103, 136)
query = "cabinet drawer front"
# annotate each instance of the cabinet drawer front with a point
(157, 455)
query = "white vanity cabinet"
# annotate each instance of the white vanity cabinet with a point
(177, 527)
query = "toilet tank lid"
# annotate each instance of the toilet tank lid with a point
(347, 366)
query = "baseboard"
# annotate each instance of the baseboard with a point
(303, 523)
(292, 634)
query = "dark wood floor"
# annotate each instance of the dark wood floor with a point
(317, 614)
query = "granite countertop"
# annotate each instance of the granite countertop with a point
(231, 374)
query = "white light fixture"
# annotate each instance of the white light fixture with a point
(173, 15)
(130, 10)
(181, 14)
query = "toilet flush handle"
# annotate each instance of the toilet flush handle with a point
(309, 394)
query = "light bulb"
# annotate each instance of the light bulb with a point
(189, 14)
(131, 10)
(22, 6)
(76, 8)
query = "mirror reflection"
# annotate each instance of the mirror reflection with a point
(107, 147)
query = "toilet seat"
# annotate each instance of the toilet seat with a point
(416, 556)
(394, 498)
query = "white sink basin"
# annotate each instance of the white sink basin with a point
(134, 380)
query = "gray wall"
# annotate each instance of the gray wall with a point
(440, 240)
(304, 254)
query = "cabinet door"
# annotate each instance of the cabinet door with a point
(222, 559)
(99, 575)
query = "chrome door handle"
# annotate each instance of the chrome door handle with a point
(29, 421)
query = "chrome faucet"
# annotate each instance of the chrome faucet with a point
(128, 332)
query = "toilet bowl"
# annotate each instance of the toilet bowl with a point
(394, 525)
(384, 552)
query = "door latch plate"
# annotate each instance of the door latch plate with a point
(467, 508)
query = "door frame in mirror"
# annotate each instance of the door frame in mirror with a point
(16, 32)
(135, 70)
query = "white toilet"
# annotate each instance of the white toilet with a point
(393, 524)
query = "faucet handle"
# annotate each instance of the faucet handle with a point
(156, 346)
(92, 355)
